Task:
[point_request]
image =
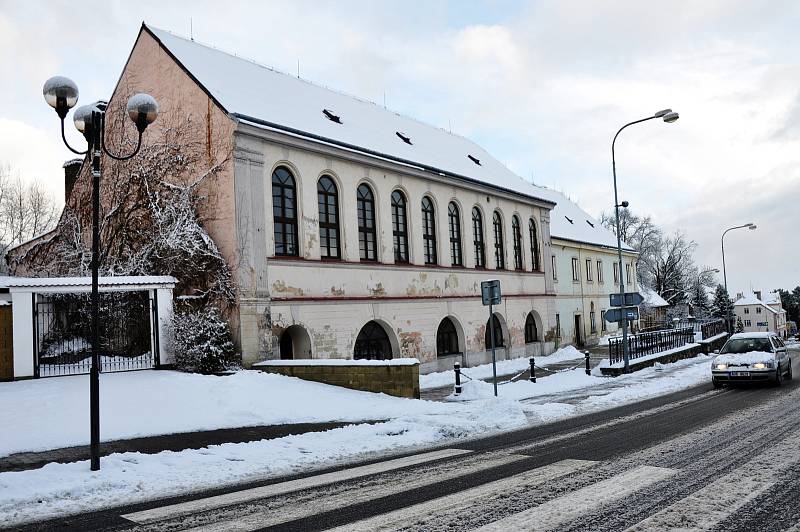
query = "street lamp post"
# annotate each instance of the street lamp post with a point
(62, 94)
(751, 226)
(669, 117)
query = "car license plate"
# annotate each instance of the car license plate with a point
(740, 373)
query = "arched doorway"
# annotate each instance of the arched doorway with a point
(447, 338)
(295, 343)
(372, 343)
(499, 340)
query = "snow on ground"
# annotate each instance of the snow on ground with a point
(45, 413)
(50, 413)
(504, 367)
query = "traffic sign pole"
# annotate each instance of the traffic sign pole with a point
(494, 360)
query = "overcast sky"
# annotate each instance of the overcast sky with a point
(542, 85)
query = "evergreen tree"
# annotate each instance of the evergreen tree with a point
(739, 324)
(722, 307)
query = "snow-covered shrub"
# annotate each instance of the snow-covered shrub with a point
(202, 341)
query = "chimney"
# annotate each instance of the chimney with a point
(71, 170)
(758, 294)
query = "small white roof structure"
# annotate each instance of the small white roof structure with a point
(651, 298)
(84, 284)
(266, 98)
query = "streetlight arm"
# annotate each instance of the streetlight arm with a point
(121, 157)
(626, 125)
(64, 138)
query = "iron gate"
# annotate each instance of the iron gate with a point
(62, 333)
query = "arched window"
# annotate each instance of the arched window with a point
(367, 241)
(429, 231)
(531, 334)
(447, 338)
(498, 333)
(284, 211)
(477, 231)
(536, 263)
(454, 221)
(372, 343)
(399, 227)
(328, 200)
(592, 322)
(516, 235)
(499, 250)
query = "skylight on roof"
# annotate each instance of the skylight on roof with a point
(568, 219)
(474, 160)
(330, 115)
(590, 223)
(405, 138)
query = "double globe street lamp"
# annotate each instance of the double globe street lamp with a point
(669, 117)
(62, 94)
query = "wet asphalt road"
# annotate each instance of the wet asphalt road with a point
(698, 459)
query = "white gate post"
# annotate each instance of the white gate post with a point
(22, 313)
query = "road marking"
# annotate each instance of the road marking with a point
(413, 515)
(358, 494)
(711, 505)
(555, 512)
(238, 497)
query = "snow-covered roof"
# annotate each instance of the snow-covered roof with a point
(651, 298)
(772, 298)
(751, 299)
(273, 99)
(133, 281)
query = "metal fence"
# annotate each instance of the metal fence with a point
(648, 343)
(62, 329)
(713, 328)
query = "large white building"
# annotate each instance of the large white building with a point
(354, 231)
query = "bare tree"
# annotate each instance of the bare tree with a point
(671, 270)
(640, 233)
(26, 210)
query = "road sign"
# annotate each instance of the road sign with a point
(632, 299)
(490, 292)
(617, 315)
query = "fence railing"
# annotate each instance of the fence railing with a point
(63, 333)
(648, 343)
(712, 328)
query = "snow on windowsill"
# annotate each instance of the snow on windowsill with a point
(338, 362)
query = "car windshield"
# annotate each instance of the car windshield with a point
(745, 345)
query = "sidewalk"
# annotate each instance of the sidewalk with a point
(167, 442)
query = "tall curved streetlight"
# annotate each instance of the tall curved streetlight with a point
(751, 226)
(669, 117)
(62, 94)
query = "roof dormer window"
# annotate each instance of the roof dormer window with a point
(474, 160)
(590, 223)
(330, 115)
(405, 138)
(569, 219)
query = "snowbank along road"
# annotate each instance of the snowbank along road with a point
(700, 459)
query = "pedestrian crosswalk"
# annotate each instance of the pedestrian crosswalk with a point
(489, 492)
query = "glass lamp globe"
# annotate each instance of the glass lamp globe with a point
(82, 117)
(61, 94)
(143, 110)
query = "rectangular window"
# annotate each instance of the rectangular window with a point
(558, 326)
(616, 272)
(747, 323)
(628, 274)
(747, 310)
(576, 269)
(758, 310)
(599, 271)
(589, 270)
(553, 261)
(592, 322)
(603, 325)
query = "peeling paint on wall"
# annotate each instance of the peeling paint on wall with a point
(377, 290)
(281, 288)
(325, 343)
(411, 344)
(337, 291)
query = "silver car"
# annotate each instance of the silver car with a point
(752, 357)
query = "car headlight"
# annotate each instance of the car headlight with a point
(762, 365)
(721, 367)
